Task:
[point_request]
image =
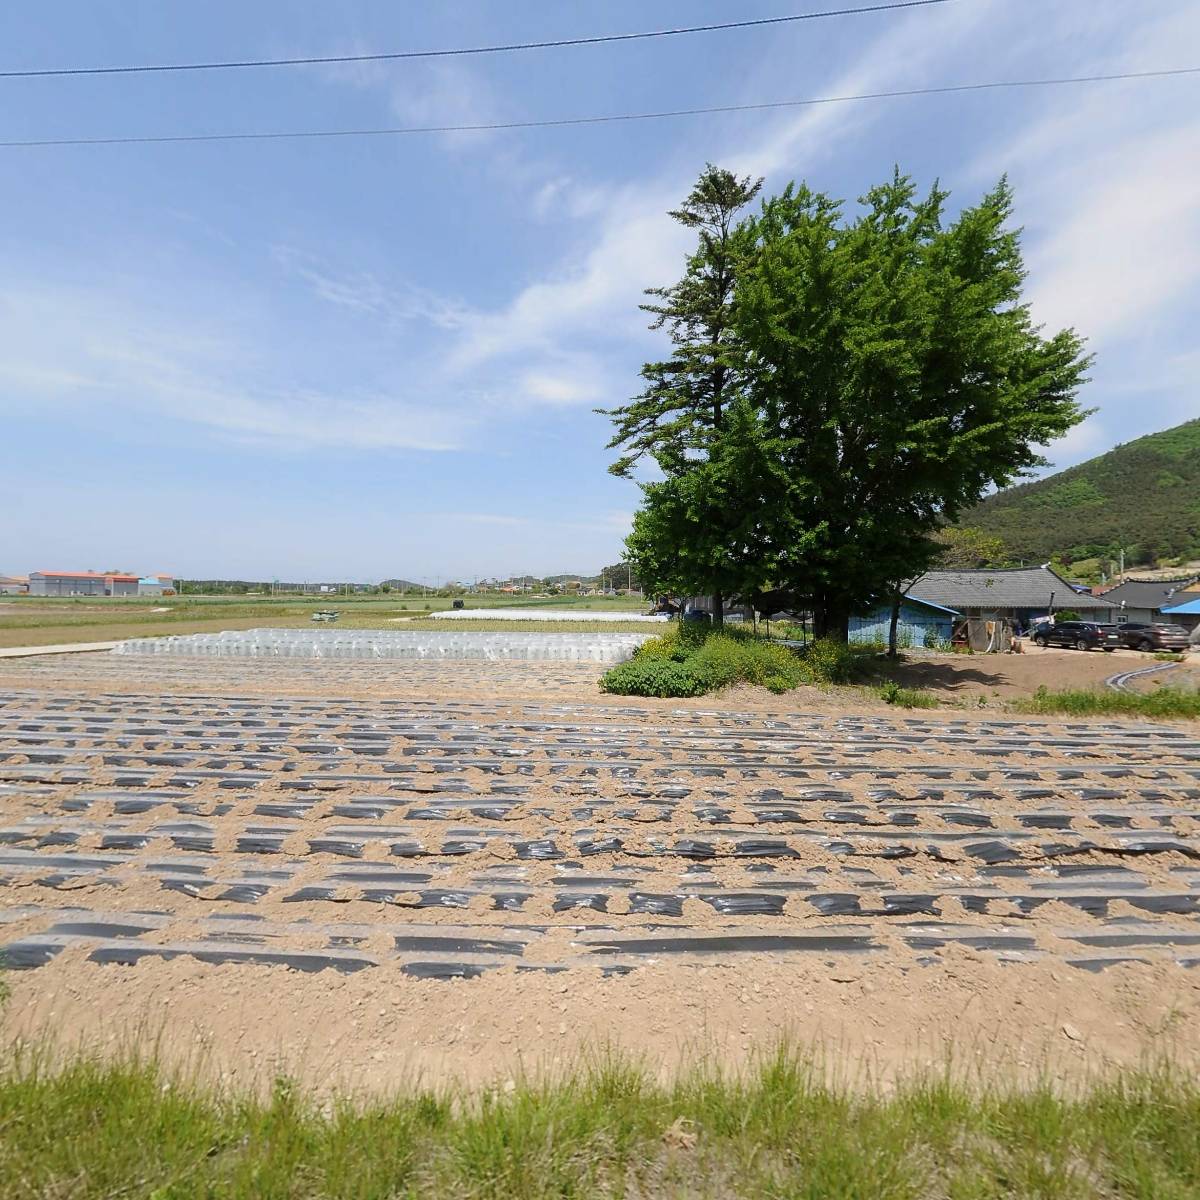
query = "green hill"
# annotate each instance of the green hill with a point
(1143, 496)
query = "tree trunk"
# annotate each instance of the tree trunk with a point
(831, 619)
(892, 627)
(718, 610)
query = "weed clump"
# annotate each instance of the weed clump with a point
(652, 677)
(892, 693)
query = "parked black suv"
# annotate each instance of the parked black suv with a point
(1153, 637)
(1083, 635)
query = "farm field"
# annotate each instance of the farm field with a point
(357, 876)
(47, 621)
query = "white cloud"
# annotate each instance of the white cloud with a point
(364, 292)
(124, 360)
(595, 291)
(1130, 244)
(1108, 182)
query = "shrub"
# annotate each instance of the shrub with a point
(828, 661)
(724, 659)
(692, 659)
(653, 677)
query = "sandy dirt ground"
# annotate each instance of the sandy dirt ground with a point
(1011, 676)
(380, 1032)
(1022, 895)
(955, 679)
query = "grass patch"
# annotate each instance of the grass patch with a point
(1166, 702)
(94, 1130)
(892, 693)
(690, 660)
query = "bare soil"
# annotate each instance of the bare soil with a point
(874, 1015)
(378, 1030)
(966, 677)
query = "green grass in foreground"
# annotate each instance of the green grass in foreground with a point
(1166, 702)
(100, 1131)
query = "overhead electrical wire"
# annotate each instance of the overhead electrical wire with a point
(334, 59)
(614, 118)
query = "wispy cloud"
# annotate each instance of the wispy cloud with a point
(174, 369)
(1109, 182)
(365, 292)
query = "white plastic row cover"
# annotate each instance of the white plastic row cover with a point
(392, 644)
(544, 614)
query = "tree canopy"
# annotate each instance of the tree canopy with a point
(885, 373)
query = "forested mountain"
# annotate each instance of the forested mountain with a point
(1143, 496)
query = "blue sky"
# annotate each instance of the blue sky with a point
(364, 358)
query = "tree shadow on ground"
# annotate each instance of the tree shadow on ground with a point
(942, 676)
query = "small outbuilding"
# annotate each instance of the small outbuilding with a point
(921, 623)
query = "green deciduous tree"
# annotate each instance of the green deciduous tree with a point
(899, 373)
(681, 412)
(968, 548)
(621, 575)
(885, 373)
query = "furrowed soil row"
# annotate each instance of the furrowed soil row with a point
(453, 837)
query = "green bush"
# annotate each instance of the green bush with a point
(690, 660)
(653, 677)
(739, 658)
(829, 661)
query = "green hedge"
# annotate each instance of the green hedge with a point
(690, 660)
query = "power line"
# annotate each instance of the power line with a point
(331, 59)
(559, 122)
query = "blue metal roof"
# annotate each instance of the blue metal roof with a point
(930, 604)
(1191, 608)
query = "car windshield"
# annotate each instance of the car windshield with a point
(1170, 629)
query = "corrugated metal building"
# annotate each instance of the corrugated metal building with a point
(81, 583)
(921, 624)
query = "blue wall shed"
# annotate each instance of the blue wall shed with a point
(918, 620)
